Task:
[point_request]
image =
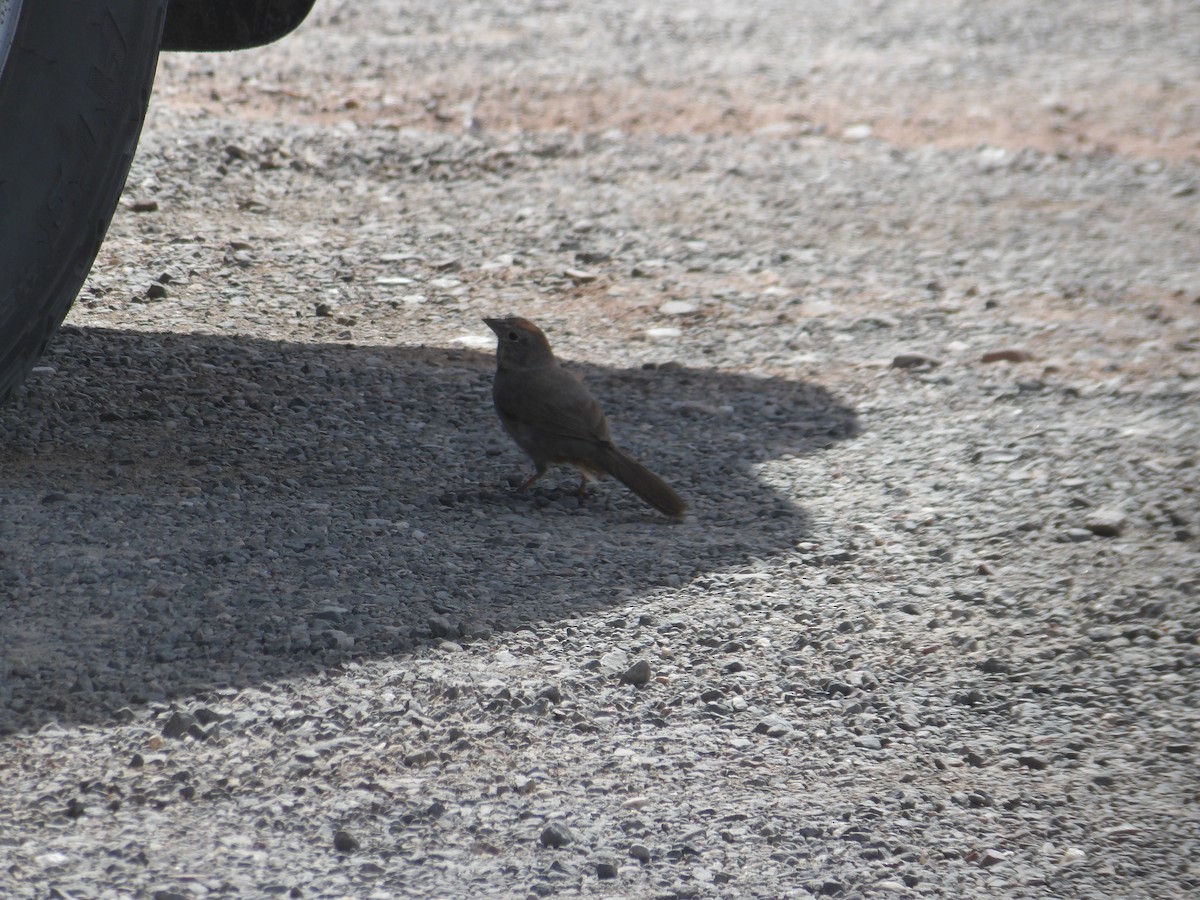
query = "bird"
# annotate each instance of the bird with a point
(553, 417)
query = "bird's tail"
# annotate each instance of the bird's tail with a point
(644, 483)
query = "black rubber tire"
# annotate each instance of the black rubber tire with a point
(74, 87)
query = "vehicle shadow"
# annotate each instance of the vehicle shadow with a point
(180, 512)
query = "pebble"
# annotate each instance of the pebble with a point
(614, 661)
(344, 842)
(1105, 522)
(637, 674)
(774, 726)
(648, 268)
(914, 361)
(989, 858)
(442, 627)
(178, 724)
(556, 834)
(606, 869)
(1012, 355)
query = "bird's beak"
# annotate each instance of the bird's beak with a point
(494, 324)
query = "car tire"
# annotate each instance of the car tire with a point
(75, 80)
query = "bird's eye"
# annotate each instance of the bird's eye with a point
(513, 336)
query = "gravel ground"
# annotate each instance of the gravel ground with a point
(903, 297)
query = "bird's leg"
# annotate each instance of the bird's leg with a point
(583, 482)
(532, 478)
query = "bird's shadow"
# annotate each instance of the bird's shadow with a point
(179, 512)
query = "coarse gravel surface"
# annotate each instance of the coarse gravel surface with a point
(903, 297)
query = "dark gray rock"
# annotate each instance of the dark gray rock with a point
(637, 674)
(556, 834)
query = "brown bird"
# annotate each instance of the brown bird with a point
(553, 417)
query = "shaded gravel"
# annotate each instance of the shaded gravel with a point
(904, 303)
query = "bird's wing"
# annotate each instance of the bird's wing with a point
(552, 401)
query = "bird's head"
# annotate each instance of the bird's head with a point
(519, 343)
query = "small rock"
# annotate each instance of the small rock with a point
(991, 158)
(614, 661)
(144, 206)
(991, 857)
(640, 852)
(556, 834)
(774, 726)
(606, 869)
(1012, 355)
(915, 361)
(637, 674)
(648, 268)
(177, 726)
(206, 716)
(344, 842)
(678, 308)
(1105, 522)
(338, 640)
(442, 627)
(1124, 830)
(980, 799)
